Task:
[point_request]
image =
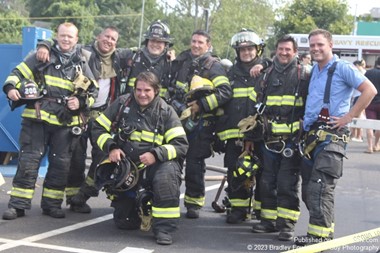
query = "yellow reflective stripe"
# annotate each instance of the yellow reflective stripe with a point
(146, 136)
(168, 212)
(288, 213)
(13, 80)
(104, 122)
(220, 80)
(182, 86)
(173, 133)
(102, 139)
(163, 92)
(172, 152)
(284, 100)
(285, 128)
(59, 83)
(195, 201)
(131, 81)
(212, 101)
(71, 191)
(53, 194)
(318, 230)
(242, 92)
(25, 70)
(90, 181)
(22, 193)
(257, 205)
(268, 214)
(230, 134)
(48, 117)
(239, 202)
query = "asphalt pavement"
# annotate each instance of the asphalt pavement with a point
(357, 208)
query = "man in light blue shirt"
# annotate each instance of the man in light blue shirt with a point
(326, 117)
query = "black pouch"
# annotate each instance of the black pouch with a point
(330, 159)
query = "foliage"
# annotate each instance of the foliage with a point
(302, 16)
(11, 24)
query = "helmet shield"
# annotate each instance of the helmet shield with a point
(120, 176)
(158, 30)
(247, 38)
(29, 90)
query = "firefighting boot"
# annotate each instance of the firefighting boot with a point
(78, 203)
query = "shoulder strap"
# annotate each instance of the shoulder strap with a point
(331, 70)
(124, 104)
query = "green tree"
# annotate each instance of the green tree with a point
(256, 15)
(302, 16)
(11, 23)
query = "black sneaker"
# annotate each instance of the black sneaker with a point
(306, 240)
(163, 238)
(85, 208)
(54, 212)
(263, 228)
(286, 235)
(236, 216)
(13, 213)
(192, 213)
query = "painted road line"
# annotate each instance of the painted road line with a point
(30, 241)
(343, 242)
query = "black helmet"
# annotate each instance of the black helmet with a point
(247, 38)
(120, 176)
(246, 166)
(29, 90)
(158, 30)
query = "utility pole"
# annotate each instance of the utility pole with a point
(196, 15)
(141, 23)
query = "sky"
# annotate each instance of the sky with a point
(362, 6)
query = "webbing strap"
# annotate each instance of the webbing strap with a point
(326, 98)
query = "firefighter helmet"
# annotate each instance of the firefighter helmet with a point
(121, 176)
(29, 90)
(158, 30)
(246, 166)
(246, 38)
(199, 87)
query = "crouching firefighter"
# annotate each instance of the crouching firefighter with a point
(144, 132)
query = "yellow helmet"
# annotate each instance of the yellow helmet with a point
(199, 87)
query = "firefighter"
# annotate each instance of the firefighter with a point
(327, 114)
(281, 94)
(149, 133)
(200, 126)
(154, 56)
(249, 47)
(51, 123)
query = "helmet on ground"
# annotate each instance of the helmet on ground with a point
(246, 166)
(29, 90)
(121, 176)
(247, 38)
(199, 87)
(160, 31)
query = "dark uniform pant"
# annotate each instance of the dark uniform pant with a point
(279, 189)
(77, 180)
(37, 138)
(164, 180)
(235, 190)
(200, 142)
(319, 179)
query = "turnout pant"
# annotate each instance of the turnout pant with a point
(279, 188)
(37, 138)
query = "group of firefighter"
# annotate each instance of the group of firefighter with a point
(149, 116)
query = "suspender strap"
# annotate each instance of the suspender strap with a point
(326, 98)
